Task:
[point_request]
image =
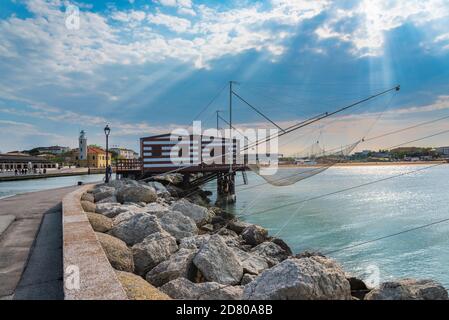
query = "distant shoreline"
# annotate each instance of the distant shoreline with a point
(364, 164)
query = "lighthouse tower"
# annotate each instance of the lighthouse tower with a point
(83, 145)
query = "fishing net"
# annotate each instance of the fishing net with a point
(309, 162)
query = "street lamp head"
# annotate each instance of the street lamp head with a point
(107, 130)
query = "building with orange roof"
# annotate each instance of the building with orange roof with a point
(90, 156)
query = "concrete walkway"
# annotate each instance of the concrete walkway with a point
(30, 247)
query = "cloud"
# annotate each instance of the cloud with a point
(173, 23)
(44, 40)
(364, 25)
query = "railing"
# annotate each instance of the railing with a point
(123, 165)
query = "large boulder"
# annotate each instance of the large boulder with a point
(247, 278)
(313, 278)
(254, 235)
(271, 252)
(136, 228)
(111, 199)
(161, 190)
(110, 210)
(238, 226)
(99, 222)
(178, 225)
(218, 263)
(184, 289)
(88, 197)
(139, 193)
(116, 183)
(172, 178)
(156, 207)
(88, 206)
(119, 255)
(154, 249)
(194, 242)
(130, 210)
(251, 262)
(180, 264)
(102, 188)
(409, 289)
(281, 243)
(104, 194)
(197, 213)
(138, 289)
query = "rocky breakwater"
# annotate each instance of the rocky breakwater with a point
(163, 246)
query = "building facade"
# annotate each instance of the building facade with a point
(11, 162)
(124, 153)
(95, 157)
(444, 151)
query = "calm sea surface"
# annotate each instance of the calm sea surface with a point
(359, 215)
(15, 187)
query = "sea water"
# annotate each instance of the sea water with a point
(344, 219)
(10, 188)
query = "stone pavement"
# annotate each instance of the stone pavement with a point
(31, 246)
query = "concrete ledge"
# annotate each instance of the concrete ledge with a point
(82, 250)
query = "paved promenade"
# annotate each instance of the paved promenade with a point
(30, 245)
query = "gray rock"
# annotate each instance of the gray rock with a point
(104, 194)
(281, 243)
(111, 199)
(271, 252)
(251, 262)
(180, 264)
(238, 226)
(178, 225)
(409, 289)
(197, 213)
(247, 278)
(154, 207)
(194, 242)
(102, 188)
(116, 183)
(313, 278)
(161, 190)
(126, 215)
(184, 289)
(173, 178)
(109, 209)
(139, 193)
(207, 227)
(136, 228)
(218, 263)
(254, 235)
(154, 249)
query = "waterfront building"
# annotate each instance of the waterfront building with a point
(13, 161)
(95, 157)
(444, 151)
(124, 153)
(89, 156)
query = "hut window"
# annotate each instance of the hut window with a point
(180, 153)
(212, 152)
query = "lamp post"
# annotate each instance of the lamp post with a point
(107, 131)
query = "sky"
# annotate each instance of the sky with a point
(149, 66)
